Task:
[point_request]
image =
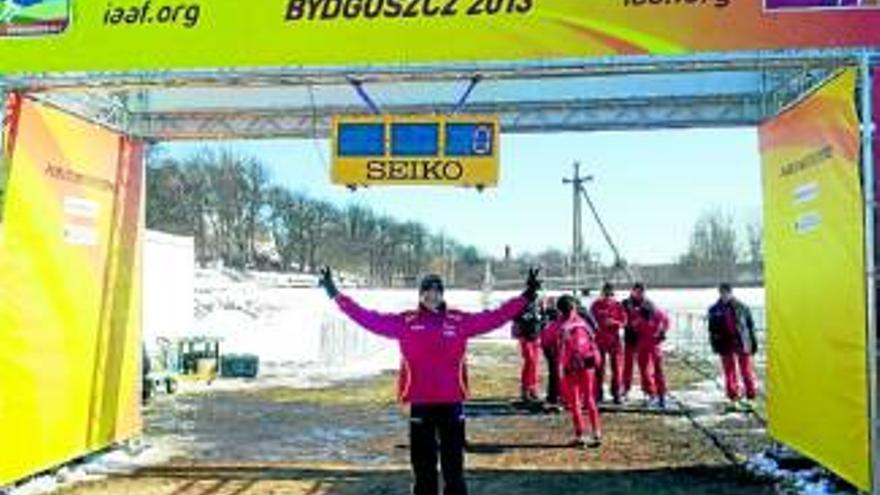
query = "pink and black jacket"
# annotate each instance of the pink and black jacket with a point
(432, 345)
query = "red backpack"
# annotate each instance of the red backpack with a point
(580, 344)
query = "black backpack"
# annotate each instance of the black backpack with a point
(529, 323)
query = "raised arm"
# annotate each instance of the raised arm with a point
(389, 325)
(486, 321)
(478, 323)
(385, 324)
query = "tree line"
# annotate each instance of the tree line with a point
(238, 217)
(717, 251)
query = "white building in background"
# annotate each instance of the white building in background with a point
(168, 287)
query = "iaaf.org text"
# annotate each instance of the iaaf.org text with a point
(186, 15)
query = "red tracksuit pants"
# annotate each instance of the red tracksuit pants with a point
(653, 380)
(578, 388)
(531, 352)
(612, 357)
(629, 361)
(729, 364)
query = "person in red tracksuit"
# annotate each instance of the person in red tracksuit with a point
(630, 337)
(732, 336)
(550, 345)
(526, 329)
(611, 317)
(650, 325)
(578, 357)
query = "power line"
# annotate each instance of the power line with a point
(619, 263)
(578, 190)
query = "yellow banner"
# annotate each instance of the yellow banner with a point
(815, 272)
(415, 150)
(91, 35)
(69, 292)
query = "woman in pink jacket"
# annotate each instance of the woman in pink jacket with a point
(433, 342)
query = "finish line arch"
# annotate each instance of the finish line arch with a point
(149, 73)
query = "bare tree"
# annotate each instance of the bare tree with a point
(713, 250)
(257, 179)
(227, 200)
(282, 224)
(755, 240)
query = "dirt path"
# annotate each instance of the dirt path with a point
(351, 439)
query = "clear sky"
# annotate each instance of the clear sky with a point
(649, 187)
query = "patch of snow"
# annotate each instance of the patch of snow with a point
(119, 460)
(301, 338)
(813, 481)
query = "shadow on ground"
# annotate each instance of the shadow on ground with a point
(351, 440)
(218, 479)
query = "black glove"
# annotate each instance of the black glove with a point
(327, 283)
(533, 284)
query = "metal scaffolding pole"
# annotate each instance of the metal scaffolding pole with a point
(462, 101)
(870, 202)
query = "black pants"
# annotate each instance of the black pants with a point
(552, 375)
(428, 424)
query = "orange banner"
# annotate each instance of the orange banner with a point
(69, 292)
(815, 272)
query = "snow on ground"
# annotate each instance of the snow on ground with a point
(706, 400)
(703, 398)
(699, 299)
(805, 482)
(113, 462)
(300, 335)
(303, 340)
(296, 332)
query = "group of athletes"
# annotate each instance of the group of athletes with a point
(579, 343)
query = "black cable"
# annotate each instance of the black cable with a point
(617, 258)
